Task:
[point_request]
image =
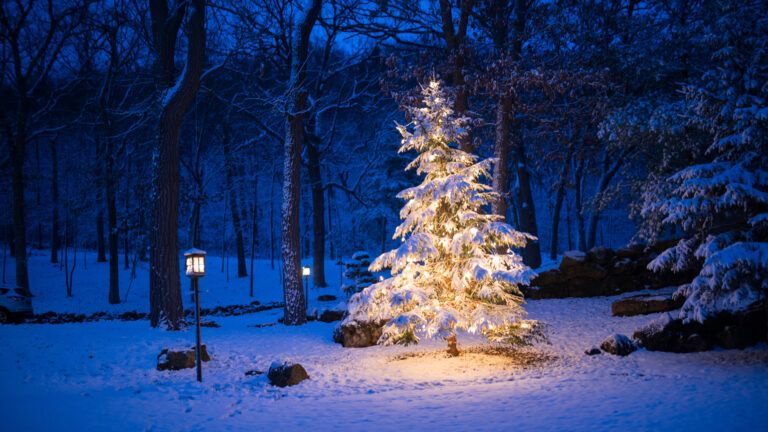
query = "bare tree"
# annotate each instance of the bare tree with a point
(177, 94)
(35, 33)
(295, 309)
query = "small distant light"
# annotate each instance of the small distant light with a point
(305, 271)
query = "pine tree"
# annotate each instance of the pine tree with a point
(455, 269)
(721, 203)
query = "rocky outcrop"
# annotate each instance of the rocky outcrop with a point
(286, 374)
(728, 330)
(604, 272)
(619, 345)
(354, 334)
(645, 304)
(177, 360)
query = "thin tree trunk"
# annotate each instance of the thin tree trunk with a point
(114, 279)
(578, 204)
(295, 309)
(254, 228)
(318, 216)
(229, 163)
(559, 195)
(55, 203)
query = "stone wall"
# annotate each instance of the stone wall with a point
(604, 272)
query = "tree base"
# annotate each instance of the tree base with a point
(453, 349)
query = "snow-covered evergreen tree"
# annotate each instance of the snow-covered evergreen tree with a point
(721, 203)
(455, 269)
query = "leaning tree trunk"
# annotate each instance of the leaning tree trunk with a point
(295, 308)
(318, 216)
(579, 205)
(165, 289)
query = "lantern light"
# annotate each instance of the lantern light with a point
(195, 262)
(305, 271)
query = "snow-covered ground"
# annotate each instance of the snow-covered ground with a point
(101, 376)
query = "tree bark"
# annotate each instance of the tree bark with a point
(295, 309)
(559, 196)
(55, 238)
(18, 144)
(165, 289)
(233, 205)
(318, 216)
(501, 153)
(526, 209)
(578, 204)
(453, 348)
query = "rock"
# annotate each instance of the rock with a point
(331, 315)
(734, 336)
(211, 324)
(353, 334)
(618, 344)
(326, 297)
(593, 351)
(572, 258)
(254, 372)
(633, 251)
(601, 255)
(727, 329)
(177, 360)
(286, 374)
(695, 343)
(645, 304)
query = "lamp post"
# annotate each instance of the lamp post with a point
(195, 260)
(305, 272)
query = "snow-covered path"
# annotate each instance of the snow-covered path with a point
(97, 376)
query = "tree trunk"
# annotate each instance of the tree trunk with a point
(526, 209)
(55, 203)
(559, 196)
(165, 289)
(501, 153)
(609, 171)
(578, 204)
(318, 216)
(18, 145)
(110, 181)
(295, 309)
(254, 228)
(229, 165)
(101, 253)
(453, 348)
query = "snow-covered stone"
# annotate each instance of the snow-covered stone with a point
(286, 374)
(618, 344)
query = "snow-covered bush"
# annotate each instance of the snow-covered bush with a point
(721, 202)
(357, 272)
(455, 268)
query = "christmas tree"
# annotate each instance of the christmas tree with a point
(455, 269)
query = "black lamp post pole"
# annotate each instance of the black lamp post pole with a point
(198, 361)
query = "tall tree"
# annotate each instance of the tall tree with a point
(295, 309)
(35, 33)
(177, 92)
